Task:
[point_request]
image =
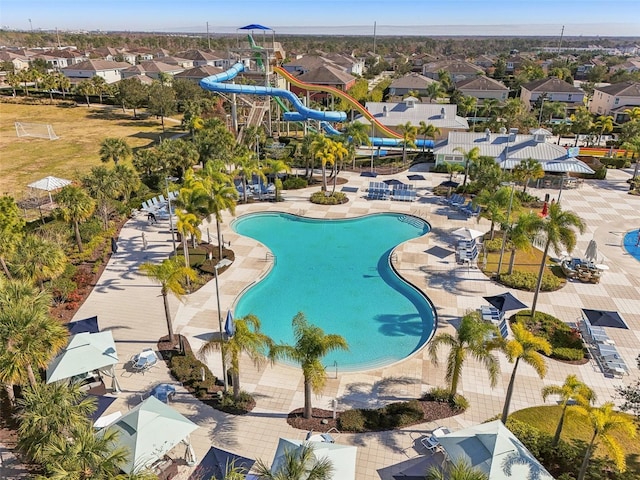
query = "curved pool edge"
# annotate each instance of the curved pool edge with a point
(633, 236)
(362, 368)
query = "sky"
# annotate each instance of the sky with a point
(331, 17)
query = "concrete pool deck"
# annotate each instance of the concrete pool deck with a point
(129, 305)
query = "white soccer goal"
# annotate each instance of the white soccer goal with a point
(37, 130)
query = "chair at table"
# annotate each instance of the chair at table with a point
(144, 360)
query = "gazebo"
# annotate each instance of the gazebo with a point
(50, 184)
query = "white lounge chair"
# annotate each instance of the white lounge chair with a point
(144, 360)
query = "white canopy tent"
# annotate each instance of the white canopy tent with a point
(50, 184)
(86, 352)
(343, 457)
(149, 431)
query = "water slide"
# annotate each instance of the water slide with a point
(214, 83)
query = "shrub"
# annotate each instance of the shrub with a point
(619, 162)
(325, 198)
(493, 245)
(460, 403)
(401, 414)
(187, 369)
(527, 281)
(243, 404)
(567, 353)
(90, 229)
(351, 421)
(439, 394)
(294, 183)
(440, 168)
(61, 288)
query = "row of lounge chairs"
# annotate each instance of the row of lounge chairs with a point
(378, 191)
(603, 349)
(457, 201)
(382, 191)
(257, 190)
(467, 251)
(158, 202)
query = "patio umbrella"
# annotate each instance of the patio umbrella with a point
(604, 318)
(416, 177)
(505, 302)
(87, 325)
(449, 184)
(50, 184)
(393, 181)
(467, 233)
(229, 325)
(591, 253)
(368, 174)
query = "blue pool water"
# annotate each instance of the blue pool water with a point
(337, 272)
(630, 240)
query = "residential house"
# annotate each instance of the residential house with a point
(160, 53)
(418, 61)
(177, 61)
(106, 53)
(458, 69)
(614, 99)
(411, 110)
(324, 75)
(142, 78)
(142, 54)
(110, 71)
(630, 66)
(514, 63)
(58, 59)
(483, 87)
(151, 69)
(200, 58)
(347, 64)
(554, 90)
(196, 74)
(19, 61)
(412, 82)
(509, 149)
(484, 61)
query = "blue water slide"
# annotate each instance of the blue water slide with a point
(214, 83)
(380, 141)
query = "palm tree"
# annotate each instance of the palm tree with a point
(633, 113)
(11, 230)
(355, 134)
(222, 196)
(274, 167)
(494, 206)
(489, 107)
(605, 421)
(186, 225)
(469, 156)
(409, 133)
(524, 346)
(299, 463)
(48, 411)
(38, 260)
(322, 148)
(434, 91)
(572, 390)
(127, 180)
(247, 339)
(633, 144)
(554, 109)
(519, 237)
(428, 131)
(75, 206)
(557, 228)
(115, 149)
(311, 345)
(470, 340)
(85, 88)
(169, 275)
(246, 167)
(604, 124)
(526, 170)
(460, 469)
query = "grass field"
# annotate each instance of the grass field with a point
(81, 130)
(545, 418)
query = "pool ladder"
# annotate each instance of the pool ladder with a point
(269, 256)
(416, 222)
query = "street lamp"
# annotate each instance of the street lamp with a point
(173, 235)
(504, 237)
(225, 262)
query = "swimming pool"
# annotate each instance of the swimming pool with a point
(337, 272)
(630, 240)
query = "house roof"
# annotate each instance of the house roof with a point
(412, 81)
(492, 448)
(481, 82)
(327, 75)
(199, 72)
(308, 62)
(98, 65)
(154, 66)
(199, 55)
(551, 85)
(624, 89)
(142, 78)
(403, 112)
(453, 67)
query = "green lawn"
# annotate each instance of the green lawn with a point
(545, 418)
(81, 130)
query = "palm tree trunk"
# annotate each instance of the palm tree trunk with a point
(307, 398)
(507, 399)
(167, 315)
(88, 104)
(219, 239)
(466, 174)
(5, 268)
(76, 230)
(512, 261)
(235, 376)
(32, 377)
(556, 436)
(324, 177)
(587, 457)
(8, 387)
(539, 282)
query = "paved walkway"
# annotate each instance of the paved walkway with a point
(129, 305)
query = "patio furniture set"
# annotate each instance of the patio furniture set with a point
(257, 190)
(457, 201)
(158, 207)
(602, 349)
(585, 271)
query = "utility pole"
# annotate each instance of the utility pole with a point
(58, 37)
(208, 38)
(560, 43)
(30, 26)
(374, 37)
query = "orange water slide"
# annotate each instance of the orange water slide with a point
(338, 93)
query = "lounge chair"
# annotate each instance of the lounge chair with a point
(144, 360)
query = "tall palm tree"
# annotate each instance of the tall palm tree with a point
(428, 131)
(222, 196)
(434, 91)
(572, 390)
(469, 340)
(115, 149)
(322, 148)
(459, 469)
(554, 109)
(11, 230)
(557, 229)
(48, 411)
(633, 113)
(187, 224)
(633, 144)
(489, 107)
(519, 237)
(103, 185)
(38, 260)
(246, 167)
(169, 275)
(311, 345)
(524, 346)
(469, 156)
(274, 167)
(354, 135)
(604, 124)
(249, 339)
(75, 206)
(409, 133)
(299, 463)
(494, 206)
(605, 421)
(528, 169)
(127, 180)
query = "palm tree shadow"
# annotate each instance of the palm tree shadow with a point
(382, 392)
